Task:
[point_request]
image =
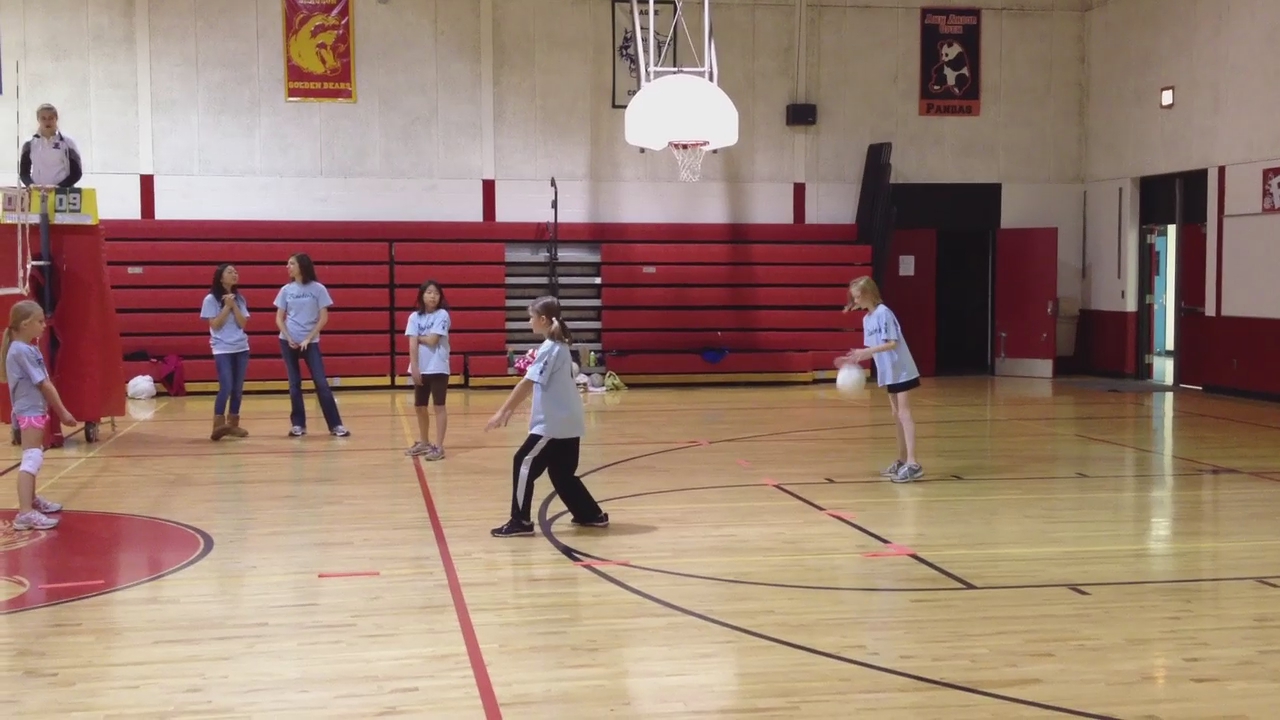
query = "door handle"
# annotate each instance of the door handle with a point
(1004, 338)
(1191, 308)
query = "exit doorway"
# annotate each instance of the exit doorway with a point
(1160, 243)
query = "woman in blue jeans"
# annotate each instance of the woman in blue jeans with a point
(302, 310)
(228, 313)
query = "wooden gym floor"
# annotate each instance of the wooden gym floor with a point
(1077, 553)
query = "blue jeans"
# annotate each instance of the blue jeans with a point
(315, 364)
(231, 369)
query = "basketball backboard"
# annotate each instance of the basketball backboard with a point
(679, 105)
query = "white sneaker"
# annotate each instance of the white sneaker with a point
(34, 520)
(45, 506)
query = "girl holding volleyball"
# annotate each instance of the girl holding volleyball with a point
(895, 370)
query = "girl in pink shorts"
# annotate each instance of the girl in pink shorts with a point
(32, 394)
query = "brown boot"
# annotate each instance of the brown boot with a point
(220, 427)
(234, 429)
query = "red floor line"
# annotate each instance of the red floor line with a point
(488, 698)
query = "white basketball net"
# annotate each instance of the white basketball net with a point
(689, 155)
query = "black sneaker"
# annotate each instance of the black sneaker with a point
(600, 522)
(513, 528)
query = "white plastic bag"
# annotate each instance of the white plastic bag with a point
(141, 388)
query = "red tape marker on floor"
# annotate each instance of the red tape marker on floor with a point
(601, 563)
(891, 550)
(84, 583)
(770, 482)
(744, 463)
(365, 573)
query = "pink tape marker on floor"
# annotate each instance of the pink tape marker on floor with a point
(770, 482)
(891, 550)
(363, 573)
(84, 583)
(839, 514)
(601, 563)
(744, 463)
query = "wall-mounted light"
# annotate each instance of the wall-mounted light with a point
(1166, 97)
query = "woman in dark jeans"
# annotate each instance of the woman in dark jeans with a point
(228, 313)
(302, 310)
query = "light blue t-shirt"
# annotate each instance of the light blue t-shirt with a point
(25, 366)
(557, 407)
(302, 304)
(230, 338)
(431, 360)
(892, 366)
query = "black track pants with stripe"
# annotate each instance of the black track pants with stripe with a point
(559, 458)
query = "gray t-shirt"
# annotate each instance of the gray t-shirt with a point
(431, 360)
(25, 366)
(302, 305)
(230, 338)
(892, 366)
(557, 407)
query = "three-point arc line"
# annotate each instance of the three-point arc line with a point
(600, 563)
(362, 573)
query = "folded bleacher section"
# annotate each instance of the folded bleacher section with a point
(677, 303)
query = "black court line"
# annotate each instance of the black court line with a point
(1077, 590)
(878, 538)
(18, 464)
(1268, 583)
(545, 524)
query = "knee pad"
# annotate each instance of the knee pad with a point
(32, 459)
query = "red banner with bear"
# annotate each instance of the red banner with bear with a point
(950, 62)
(319, 51)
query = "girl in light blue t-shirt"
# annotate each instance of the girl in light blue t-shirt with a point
(228, 314)
(428, 332)
(895, 370)
(302, 311)
(556, 426)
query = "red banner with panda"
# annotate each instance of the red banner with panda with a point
(319, 51)
(950, 62)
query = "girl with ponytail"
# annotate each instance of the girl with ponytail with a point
(556, 426)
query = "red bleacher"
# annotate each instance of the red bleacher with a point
(769, 294)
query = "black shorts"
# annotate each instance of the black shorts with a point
(895, 388)
(433, 388)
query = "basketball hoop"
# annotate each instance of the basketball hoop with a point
(689, 155)
(671, 109)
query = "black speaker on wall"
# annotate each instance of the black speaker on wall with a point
(802, 114)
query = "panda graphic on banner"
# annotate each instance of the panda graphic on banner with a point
(950, 62)
(1271, 190)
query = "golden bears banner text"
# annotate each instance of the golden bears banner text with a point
(950, 61)
(319, 51)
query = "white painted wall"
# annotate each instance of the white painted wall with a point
(1110, 246)
(452, 91)
(1212, 52)
(1250, 261)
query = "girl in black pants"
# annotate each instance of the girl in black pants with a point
(556, 427)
